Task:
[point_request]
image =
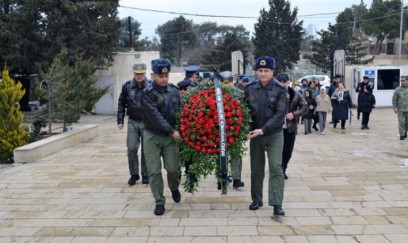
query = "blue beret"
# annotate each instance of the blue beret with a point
(192, 69)
(245, 79)
(265, 62)
(282, 76)
(161, 66)
(206, 75)
(184, 84)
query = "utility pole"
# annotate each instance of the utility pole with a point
(400, 40)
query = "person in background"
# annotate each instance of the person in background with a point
(366, 101)
(400, 106)
(130, 102)
(267, 102)
(206, 78)
(161, 100)
(314, 92)
(304, 84)
(296, 107)
(192, 74)
(323, 106)
(342, 104)
(332, 88)
(308, 117)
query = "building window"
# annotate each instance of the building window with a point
(388, 79)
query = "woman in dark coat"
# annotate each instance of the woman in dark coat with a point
(308, 117)
(341, 105)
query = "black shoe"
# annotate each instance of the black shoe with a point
(237, 183)
(334, 125)
(286, 177)
(278, 210)
(402, 137)
(132, 180)
(176, 196)
(255, 205)
(159, 210)
(343, 128)
(362, 127)
(405, 135)
(145, 180)
(218, 185)
(315, 128)
(366, 127)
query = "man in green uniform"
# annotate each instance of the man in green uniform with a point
(130, 102)
(160, 101)
(267, 102)
(400, 105)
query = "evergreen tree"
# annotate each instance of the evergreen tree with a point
(70, 90)
(278, 34)
(13, 132)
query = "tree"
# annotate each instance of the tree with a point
(126, 36)
(177, 39)
(383, 21)
(231, 39)
(34, 32)
(13, 132)
(70, 89)
(278, 33)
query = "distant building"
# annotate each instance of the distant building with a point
(311, 30)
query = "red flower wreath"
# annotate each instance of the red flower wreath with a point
(199, 121)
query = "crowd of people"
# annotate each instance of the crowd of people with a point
(276, 108)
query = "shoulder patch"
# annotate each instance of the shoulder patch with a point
(149, 88)
(126, 83)
(278, 84)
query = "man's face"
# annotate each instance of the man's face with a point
(161, 79)
(139, 77)
(285, 83)
(337, 80)
(264, 74)
(185, 91)
(365, 80)
(194, 78)
(404, 82)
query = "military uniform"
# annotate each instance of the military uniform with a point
(160, 106)
(267, 104)
(400, 102)
(130, 102)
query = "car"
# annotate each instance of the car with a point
(323, 79)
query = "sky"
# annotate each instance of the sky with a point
(317, 12)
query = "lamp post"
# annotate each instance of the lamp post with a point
(339, 38)
(400, 40)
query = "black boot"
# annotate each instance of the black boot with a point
(132, 180)
(237, 183)
(405, 135)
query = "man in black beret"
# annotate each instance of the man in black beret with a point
(160, 101)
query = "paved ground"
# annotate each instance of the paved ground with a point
(345, 186)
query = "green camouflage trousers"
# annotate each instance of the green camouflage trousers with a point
(402, 122)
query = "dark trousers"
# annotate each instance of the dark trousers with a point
(366, 118)
(343, 123)
(288, 145)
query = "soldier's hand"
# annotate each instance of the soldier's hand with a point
(255, 133)
(395, 110)
(176, 136)
(120, 126)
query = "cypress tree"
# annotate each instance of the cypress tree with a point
(13, 132)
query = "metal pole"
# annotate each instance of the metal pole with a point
(400, 47)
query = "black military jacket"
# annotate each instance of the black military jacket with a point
(160, 106)
(267, 104)
(130, 101)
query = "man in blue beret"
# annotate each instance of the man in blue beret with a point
(160, 101)
(192, 74)
(130, 103)
(267, 102)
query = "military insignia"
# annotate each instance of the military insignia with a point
(159, 100)
(262, 63)
(164, 70)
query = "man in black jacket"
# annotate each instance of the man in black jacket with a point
(160, 101)
(296, 107)
(365, 101)
(267, 102)
(130, 102)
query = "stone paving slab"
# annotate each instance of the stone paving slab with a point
(345, 186)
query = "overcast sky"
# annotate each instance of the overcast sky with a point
(319, 10)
